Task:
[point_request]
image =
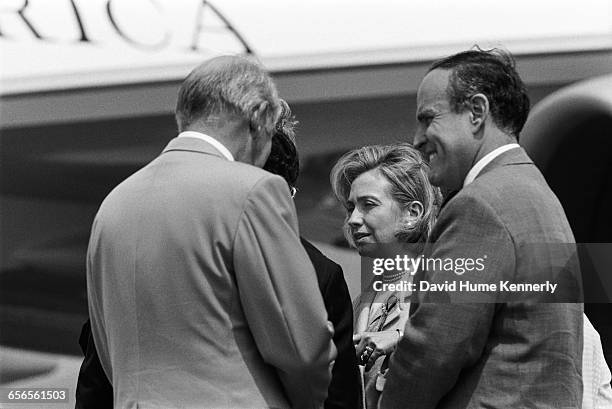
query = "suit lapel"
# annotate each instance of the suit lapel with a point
(448, 197)
(375, 320)
(393, 316)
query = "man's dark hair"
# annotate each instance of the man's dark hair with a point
(284, 159)
(492, 73)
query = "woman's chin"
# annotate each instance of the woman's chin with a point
(369, 250)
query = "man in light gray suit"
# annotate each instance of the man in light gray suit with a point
(488, 350)
(200, 293)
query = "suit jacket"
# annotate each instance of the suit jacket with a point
(200, 293)
(501, 353)
(95, 391)
(344, 387)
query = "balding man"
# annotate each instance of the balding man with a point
(200, 293)
(476, 349)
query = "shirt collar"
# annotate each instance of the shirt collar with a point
(484, 161)
(207, 138)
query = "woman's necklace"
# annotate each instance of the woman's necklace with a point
(390, 278)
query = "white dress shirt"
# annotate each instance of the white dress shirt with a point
(207, 138)
(484, 161)
(597, 393)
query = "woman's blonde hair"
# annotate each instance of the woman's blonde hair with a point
(404, 168)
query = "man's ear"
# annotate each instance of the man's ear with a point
(478, 106)
(255, 130)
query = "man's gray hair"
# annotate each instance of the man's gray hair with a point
(230, 85)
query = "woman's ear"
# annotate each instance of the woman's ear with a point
(413, 212)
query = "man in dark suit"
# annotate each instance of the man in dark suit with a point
(493, 350)
(94, 390)
(344, 386)
(200, 293)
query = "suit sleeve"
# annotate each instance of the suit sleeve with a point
(344, 387)
(447, 332)
(280, 295)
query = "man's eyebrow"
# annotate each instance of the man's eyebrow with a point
(424, 113)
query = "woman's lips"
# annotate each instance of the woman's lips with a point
(360, 236)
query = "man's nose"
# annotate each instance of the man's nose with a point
(419, 140)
